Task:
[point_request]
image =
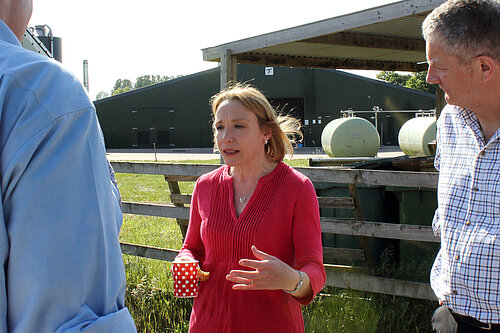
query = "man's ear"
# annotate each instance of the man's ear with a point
(488, 66)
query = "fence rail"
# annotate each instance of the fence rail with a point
(337, 276)
(190, 172)
(378, 229)
(160, 210)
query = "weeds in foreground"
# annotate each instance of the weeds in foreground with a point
(400, 314)
(340, 311)
(156, 310)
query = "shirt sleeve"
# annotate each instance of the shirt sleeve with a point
(437, 163)
(114, 184)
(436, 224)
(193, 244)
(4, 256)
(437, 157)
(64, 267)
(307, 239)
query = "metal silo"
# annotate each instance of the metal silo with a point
(53, 44)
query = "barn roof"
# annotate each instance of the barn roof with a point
(387, 37)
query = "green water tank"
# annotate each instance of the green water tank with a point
(350, 137)
(415, 134)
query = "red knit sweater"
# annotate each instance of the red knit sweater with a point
(282, 219)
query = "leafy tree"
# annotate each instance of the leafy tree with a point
(147, 80)
(124, 85)
(417, 81)
(394, 78)
(121, 86)
(413, 81)
(102, 94)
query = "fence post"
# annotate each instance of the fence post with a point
(173, 185)
(358, 215)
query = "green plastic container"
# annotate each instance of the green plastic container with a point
(390, 204)
(417, 207)
(377, 205)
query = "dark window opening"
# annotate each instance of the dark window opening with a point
(289, 106)
(163, 138)
(143, 138)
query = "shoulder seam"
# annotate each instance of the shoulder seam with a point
(34, 96)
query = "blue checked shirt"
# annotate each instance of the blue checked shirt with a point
(466, 272)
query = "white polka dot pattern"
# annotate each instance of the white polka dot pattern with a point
(185, 278)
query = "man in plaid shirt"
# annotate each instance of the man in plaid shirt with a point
(463, 52)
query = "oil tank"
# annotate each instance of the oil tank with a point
(54, 45)
(350, 137)
(415, 134)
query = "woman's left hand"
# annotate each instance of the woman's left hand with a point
(269, 273)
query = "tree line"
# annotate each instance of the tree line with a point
(413, 81)
(123, 85)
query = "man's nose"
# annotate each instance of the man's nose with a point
(432, 77)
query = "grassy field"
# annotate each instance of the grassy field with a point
(149, 284)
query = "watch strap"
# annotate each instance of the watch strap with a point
(299, 285)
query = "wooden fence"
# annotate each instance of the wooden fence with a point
(337, 276)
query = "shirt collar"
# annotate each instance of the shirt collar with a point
(470, 119)
(7, 35)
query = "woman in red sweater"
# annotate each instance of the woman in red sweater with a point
(254, 224)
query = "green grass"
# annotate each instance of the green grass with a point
(340, 311)
(155, 310)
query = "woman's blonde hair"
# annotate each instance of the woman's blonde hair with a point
(285, 129)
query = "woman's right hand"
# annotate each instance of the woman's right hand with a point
(183, 258)
(202, 276)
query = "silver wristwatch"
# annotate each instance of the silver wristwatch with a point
(299, 285)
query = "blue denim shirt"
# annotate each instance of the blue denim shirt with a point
(61, 264)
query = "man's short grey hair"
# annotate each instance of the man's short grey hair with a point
(467, 28)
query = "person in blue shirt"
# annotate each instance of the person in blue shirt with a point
(61, 267)
(463, 52)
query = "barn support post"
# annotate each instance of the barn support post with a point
(228, 64)
(440, 101)
(228, 73)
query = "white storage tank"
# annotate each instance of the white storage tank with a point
(350, 137)
(415, 134)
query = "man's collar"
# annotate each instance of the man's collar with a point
(7, 35)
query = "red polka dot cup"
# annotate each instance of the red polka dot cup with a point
(186, 282)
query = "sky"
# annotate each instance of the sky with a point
(129, 38)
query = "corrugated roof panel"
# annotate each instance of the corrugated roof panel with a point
(338, 51)
(398, 42)
(409, 27)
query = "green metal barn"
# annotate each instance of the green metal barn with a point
(176, 113)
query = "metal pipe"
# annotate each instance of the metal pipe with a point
(86, 74)
(352, 112)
